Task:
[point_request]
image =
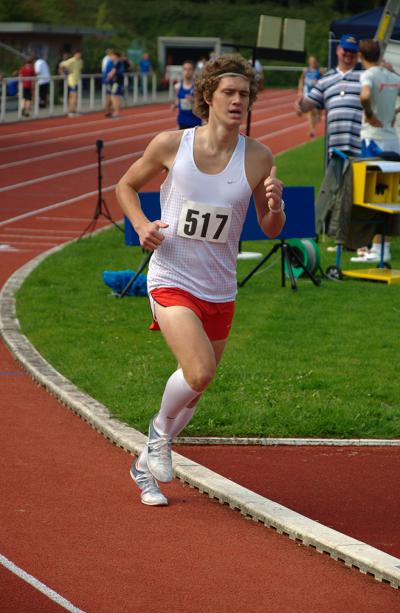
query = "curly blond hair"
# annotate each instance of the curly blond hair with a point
(207, 81)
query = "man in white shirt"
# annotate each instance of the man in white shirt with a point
(42, 71)
(378, 95)
(379, 90)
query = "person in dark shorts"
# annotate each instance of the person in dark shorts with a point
(115, 79)
(27, 72)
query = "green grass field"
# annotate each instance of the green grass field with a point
(317, 362)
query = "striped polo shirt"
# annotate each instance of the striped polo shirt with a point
(339, 94)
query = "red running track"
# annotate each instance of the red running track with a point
(351, 489)
(70, 515)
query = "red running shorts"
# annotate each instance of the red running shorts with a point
(216, 317)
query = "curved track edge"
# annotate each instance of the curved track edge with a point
(351, 552)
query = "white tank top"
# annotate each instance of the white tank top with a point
(205, 214)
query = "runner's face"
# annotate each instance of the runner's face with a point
(187, 71)
(230, 100)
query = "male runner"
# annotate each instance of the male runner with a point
(184, 98)
(212, 171)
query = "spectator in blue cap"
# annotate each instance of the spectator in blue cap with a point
(348, 42)
(338, 92)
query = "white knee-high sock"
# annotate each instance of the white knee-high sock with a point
(178, 424)
(177, 395)
(182, 420)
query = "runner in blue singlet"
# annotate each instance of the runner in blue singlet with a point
(184, 98)
(307, 81)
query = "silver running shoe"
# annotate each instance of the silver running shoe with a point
(145, 481)
(159, 458)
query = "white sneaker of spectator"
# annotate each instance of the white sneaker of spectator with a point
(373, 255)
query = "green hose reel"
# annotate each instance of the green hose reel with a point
(308, 252)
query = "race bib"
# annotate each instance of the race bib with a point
(204, 222)
(186, 104)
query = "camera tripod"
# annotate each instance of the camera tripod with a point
(101, 209)
(289, 257)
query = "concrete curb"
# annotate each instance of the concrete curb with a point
(352, 552)
(312, 442)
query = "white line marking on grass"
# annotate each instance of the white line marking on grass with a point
(38, 585)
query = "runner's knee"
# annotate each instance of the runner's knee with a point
(199, 377)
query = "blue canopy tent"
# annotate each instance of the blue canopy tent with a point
(363, 25)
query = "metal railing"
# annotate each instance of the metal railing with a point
(138, 89)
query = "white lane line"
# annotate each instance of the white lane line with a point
(72, 219)
(128, 155)
(137, 113)
(5, 247)
(38, 230)
(74, 150)
(262, 122)
(111, 187)
(93, 123)
(169, 120)
(15, 242)
(278, 132)
(57, 205)
(79, 135)
(34, 237)
(41, 587)
(64, 173)
(128, 139)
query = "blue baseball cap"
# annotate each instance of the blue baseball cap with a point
(348, 42)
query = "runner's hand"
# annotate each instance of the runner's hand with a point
(273, 190)
(150, 236)
(298, 105)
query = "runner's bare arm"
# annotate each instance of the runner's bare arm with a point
(304, 105)
(158, 157)
(300, 85)
(267, 192)
(370, 117)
